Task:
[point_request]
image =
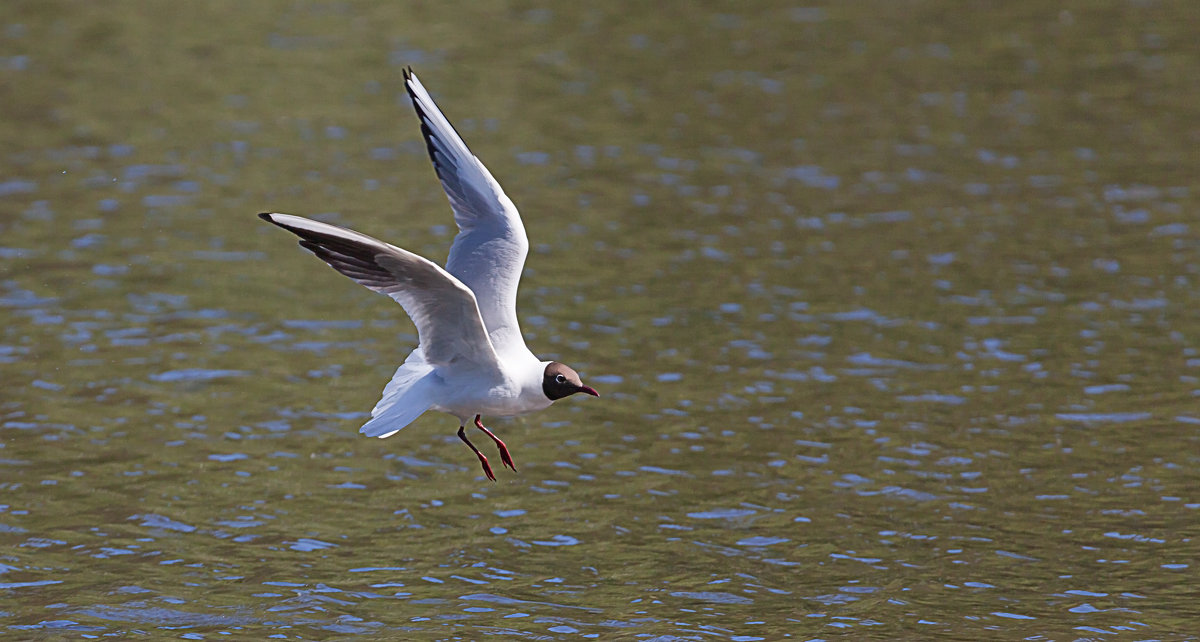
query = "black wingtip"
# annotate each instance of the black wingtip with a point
(266, 216)
(426, 130)
(408, 79)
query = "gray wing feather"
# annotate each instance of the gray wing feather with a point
(444, 310)
(488, 254)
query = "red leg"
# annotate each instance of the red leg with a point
(504, 456)
(487, 469)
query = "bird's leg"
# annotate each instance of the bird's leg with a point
(504, 456)
(487, 469)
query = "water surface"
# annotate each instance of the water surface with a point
(893, 308)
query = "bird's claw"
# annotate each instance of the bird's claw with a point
(487, 468)
(506, 458)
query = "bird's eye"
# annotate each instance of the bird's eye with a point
(559, 379)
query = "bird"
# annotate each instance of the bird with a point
(471, 359)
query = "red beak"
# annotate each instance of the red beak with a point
(590, 390)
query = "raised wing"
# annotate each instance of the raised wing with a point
(444, 310)
(489, 251)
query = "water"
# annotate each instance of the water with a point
(892, 308)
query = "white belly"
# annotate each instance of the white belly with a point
(502, 398)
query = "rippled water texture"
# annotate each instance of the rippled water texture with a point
(893, 306)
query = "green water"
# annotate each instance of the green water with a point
(892, 305)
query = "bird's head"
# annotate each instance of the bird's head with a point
(559, 381)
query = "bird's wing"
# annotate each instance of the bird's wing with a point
(444, 310)
(489, 251)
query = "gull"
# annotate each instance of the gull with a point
(470, 359)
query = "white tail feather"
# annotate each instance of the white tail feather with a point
(404, 399)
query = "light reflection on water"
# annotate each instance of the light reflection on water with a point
(894, 337)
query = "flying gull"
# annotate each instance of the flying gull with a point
(471, 359)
